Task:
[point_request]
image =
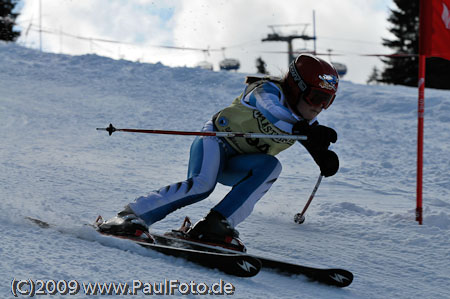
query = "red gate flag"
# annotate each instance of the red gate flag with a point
(434, 40)
(435, 28)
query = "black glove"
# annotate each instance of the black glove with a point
(319, 137)
(328, 162)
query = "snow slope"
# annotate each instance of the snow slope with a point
(55, 166)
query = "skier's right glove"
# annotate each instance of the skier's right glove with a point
(319, 137)
(328, 162)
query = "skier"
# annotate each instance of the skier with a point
(268, 105)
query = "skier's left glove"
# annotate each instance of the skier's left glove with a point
(328, 162)
(319, 137)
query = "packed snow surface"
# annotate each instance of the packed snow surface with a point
(57, 167)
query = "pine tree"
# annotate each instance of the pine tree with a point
(404, 70)
(405, 27)
(7, 20)
(374, 77)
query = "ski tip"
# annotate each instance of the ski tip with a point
(338, 277)
(245, 266)
(38, 222)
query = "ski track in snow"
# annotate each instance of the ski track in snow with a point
(57, 167)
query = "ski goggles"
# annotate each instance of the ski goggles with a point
(313, 95)
(317, 97)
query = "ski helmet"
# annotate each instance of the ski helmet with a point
(312, 79)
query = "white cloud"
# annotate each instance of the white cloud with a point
(347, 26)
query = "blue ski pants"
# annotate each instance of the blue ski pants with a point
(212, 160)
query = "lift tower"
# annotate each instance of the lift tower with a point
(276, 37)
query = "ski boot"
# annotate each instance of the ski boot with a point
(126, 224)
(215, 230)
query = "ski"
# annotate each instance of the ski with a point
(334, 277)
(330, 276)
(236, 264)
(230, 261)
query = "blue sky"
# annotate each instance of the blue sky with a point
(348, 27)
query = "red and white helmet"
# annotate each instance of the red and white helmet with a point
(312, 79)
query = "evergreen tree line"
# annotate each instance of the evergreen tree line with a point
(405, 70)
(7, 20)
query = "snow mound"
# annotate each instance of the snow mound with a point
(57, 167)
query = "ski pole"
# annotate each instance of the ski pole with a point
(300, 217)
(111, 130)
